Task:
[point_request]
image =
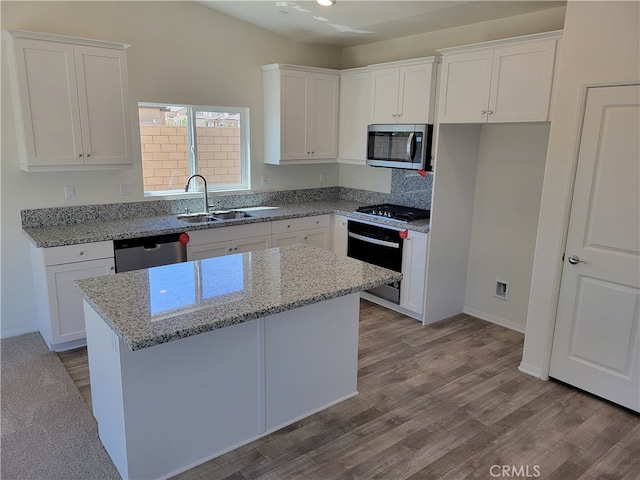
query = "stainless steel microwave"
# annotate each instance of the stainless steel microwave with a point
(400, 146)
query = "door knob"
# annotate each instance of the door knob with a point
(574, 260)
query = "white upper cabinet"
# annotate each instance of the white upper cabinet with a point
(502, 81)
(71, 101)
(300, 114)
(403, 92)
(355, 103)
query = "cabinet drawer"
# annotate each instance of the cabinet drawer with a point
(304, 223)
(77, 253)
(225, 234)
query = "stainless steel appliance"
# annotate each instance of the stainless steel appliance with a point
(380, 246)
(147, 252)
(400, 146)
(395, 212)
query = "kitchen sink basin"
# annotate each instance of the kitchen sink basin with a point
(212, 216)
(229, 214)
(254, 209)
(196, 217)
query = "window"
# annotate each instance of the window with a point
(178, 141)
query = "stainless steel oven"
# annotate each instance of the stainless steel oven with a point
(380, 246)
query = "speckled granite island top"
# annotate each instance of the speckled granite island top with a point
(149, 307)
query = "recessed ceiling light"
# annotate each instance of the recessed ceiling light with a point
(283, 12)
(326, 3)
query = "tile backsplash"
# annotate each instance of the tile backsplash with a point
(410, 189)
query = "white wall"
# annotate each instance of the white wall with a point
(180, 52)
(508, 187)
(426, 44)
(601, 46)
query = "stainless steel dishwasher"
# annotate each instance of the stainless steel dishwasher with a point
(147, 252)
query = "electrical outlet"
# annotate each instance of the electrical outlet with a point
(323, 177)
(502, 290)
(126, 188)
(69, 192)
(263, 180)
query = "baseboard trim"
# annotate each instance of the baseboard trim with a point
(503, 322)
(15, 333)
(531, 370)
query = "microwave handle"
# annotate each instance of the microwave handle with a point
(411, 142)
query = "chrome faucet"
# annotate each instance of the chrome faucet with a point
(206, 200)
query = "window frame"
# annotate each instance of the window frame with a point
(245, 157)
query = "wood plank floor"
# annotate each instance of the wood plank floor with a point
(439, 402)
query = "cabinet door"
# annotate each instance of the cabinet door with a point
(65, 305)
(464, 91)
(414, 95)
(45, 80)
(414, 257)
(521, 82)
(318, 237)
(251, 244)
(208, 250)
(384, 95)
(294, 113)
(340, 235)
(323, 116)
(355, 102)
(284, 239)
(104, 110)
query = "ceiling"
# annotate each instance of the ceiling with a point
(357, 22)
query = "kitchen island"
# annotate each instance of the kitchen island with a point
(191, 360)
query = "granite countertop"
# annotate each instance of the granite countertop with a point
(53, 236)
(161, 304)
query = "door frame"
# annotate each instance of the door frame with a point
(542, 372)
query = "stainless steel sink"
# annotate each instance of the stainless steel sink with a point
(212, 216)
(229, 214)
(196, 217)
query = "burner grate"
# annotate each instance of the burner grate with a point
(395, 212)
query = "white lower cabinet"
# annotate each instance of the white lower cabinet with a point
(414, 258)
(339, 226)
(59, 306)
(314, 230)
(215, 242)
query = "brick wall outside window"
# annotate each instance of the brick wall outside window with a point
(165, 158)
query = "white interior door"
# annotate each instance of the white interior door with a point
(596, 342)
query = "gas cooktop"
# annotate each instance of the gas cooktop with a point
(395, 212)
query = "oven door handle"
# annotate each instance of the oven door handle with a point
(375, 241)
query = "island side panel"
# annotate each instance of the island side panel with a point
(311, 359)
(106, 386)
(192, 399)
(179, 403)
